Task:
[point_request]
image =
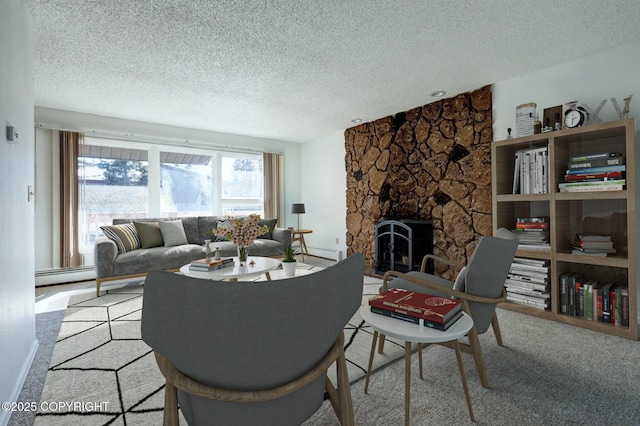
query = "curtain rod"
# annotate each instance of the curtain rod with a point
(161, 141)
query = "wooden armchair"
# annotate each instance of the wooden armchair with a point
(479, 285)
(245, 353)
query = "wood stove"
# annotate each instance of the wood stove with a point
(401, 245)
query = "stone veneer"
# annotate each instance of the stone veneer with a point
(432, 162)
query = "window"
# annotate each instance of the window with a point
(186, 185)
(241, 185)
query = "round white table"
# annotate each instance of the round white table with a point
(409, 332)
(234, 271)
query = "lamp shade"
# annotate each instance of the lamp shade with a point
(297, 208)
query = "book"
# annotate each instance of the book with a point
(592, 237)
(605, 169)
(425, 306)
(602, 162)
(594, 176)
(580, 184)
(593, 244)
(590, 157)
(203, 265)
(415, 320)
(532, 225)
(596, 187)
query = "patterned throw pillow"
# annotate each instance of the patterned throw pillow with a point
(125, 236)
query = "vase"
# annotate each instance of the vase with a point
(242, 253)
(207, 250)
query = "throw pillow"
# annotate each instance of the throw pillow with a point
(221, 223)
(271, 223)
(125, 236)
(173, 233)
(149, 233)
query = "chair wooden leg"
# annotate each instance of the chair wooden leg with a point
(98, 288)
(170, 405)
(496, 329)
(474, 342)
(344, 392)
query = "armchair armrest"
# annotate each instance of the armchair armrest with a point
(423, 267)
(446, 290)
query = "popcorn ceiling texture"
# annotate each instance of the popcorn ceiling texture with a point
(432, 162)
(295, 70)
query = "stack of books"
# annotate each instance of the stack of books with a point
(419, 308)
(531, 171)
(597, 172)
(527, 283)
(532, 233)
(205, 266)
(593, 245)
(593, 300)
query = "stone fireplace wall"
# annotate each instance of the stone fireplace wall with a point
(432, 162)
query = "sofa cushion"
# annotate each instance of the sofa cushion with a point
(149, 234)
(156, 259)
(173, 233)
(125, 236)
(271, 223)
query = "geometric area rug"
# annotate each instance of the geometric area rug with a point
(102, 373)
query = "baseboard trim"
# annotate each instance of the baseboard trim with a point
(336, 255)
(22, 378)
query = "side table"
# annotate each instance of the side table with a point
(298, 235)
(410, 332)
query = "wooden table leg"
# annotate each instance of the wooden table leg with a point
(456, 346)
(268, 275)
(407, 381)
(373, 350)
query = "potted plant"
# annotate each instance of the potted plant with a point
(289, 262)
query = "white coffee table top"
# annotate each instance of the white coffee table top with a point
(235, 271)
(416, 333)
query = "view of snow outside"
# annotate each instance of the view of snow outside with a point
(118, 189)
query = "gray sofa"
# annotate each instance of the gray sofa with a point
(112, 264)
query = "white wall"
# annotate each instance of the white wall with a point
(18, 342)
(324, 181)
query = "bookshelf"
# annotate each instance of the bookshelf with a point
(570, 213)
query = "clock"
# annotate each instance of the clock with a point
(575, 117)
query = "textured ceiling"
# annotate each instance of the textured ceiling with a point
(298, 69)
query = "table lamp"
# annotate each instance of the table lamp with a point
(297, 209)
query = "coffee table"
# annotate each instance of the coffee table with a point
(234, 272)
(416, 333)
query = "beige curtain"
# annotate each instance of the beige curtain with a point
(272, 164)
(70, 143)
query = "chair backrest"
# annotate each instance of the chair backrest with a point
(485, 275)
(250, 336)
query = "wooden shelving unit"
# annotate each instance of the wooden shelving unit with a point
(610, 212)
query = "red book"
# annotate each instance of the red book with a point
(532, 225)
(419, 305)
(595, 176)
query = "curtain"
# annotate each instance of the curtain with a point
(70, 143)
(272, 166)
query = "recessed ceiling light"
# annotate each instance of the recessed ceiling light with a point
(356, 120)
(438, 93)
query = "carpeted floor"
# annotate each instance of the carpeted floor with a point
(547, 373)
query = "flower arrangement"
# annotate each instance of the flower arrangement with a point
(242, 231)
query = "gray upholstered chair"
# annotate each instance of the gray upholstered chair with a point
(479, 284)
(248, 353)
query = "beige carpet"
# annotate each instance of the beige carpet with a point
(99, 357)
